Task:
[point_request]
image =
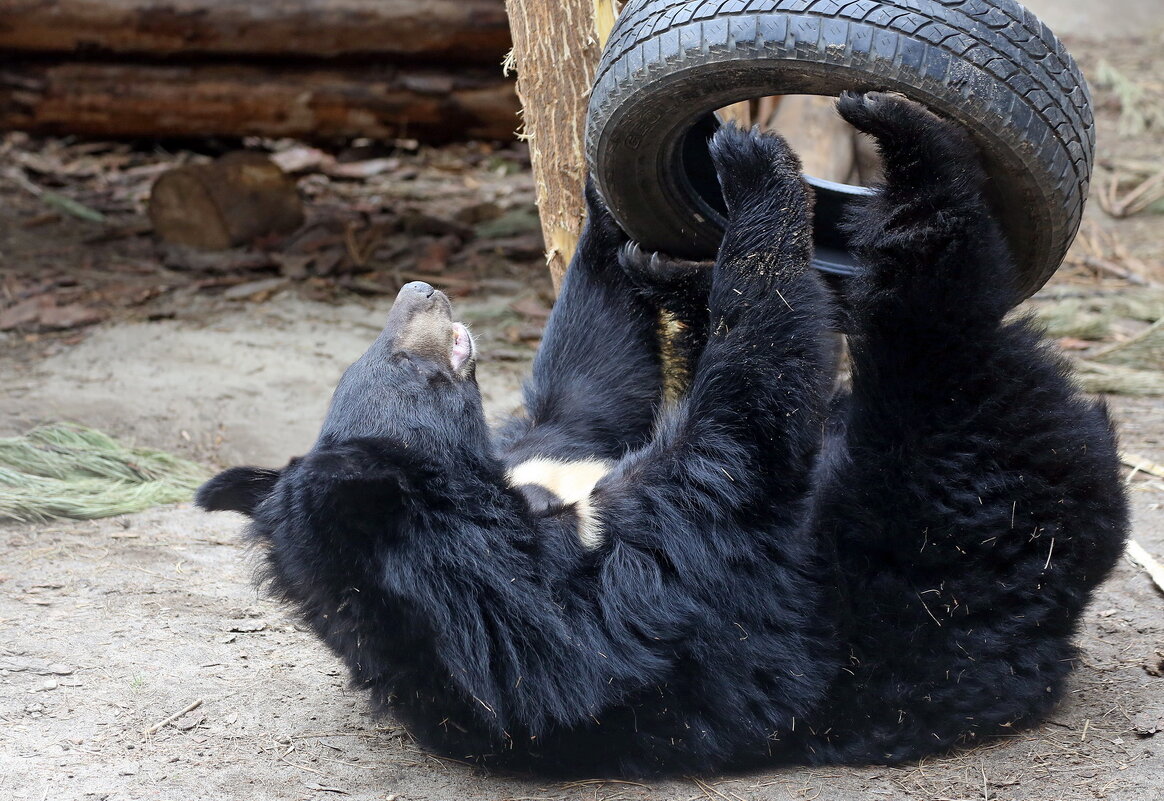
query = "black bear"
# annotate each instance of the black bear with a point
(613, 584)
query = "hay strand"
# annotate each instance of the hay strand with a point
(1145, 560)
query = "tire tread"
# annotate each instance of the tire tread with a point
(1033, 82)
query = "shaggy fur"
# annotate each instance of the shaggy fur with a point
(781, 575)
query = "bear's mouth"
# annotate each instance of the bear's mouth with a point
(463, 351)
(421, 325)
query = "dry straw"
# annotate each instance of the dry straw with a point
(69, 471)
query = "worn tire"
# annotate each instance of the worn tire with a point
(990, 65)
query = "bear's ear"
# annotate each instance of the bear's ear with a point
(239, 489)
(359, 465)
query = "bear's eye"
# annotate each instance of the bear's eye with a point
(437, 376)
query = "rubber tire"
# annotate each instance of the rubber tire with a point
(990, 65)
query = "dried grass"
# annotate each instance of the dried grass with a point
(70, 471)
(1134, 366)
(1117, 380)
(1141, 109)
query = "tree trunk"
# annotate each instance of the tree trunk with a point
(826, 144)
(112, 100)
(461, 30)
(556, 45)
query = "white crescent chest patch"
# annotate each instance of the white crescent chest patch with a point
(571, 483)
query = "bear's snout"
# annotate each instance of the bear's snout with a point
(418, 288)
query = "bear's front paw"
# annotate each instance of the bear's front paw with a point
(757, 171)
(660, 272)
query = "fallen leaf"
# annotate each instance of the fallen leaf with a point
(20, 315)
(301, 159)
(257, 291)
(360, 169)
(43, 314)
(72, 315)
(435, 256)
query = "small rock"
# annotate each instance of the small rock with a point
(1148, 724)
(189, 722)
(50, 684)
(60, 670)
(245, 625)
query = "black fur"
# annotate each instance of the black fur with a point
(775, 583)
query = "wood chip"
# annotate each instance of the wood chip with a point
(1140, 464)
(257, 291)
(154, 729)
(1145, 560)
(319, 788)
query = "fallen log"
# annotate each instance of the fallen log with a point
(383, 102)
(229, 202)
(463, 30)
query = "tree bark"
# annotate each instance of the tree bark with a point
(461, 30)
(118, 100)
(556, 45)
(826, 144)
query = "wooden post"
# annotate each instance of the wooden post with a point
(556, 45)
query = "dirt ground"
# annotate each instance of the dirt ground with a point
(137, 661)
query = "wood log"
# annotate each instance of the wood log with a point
(464, 30)
(118, 100)
(229, 202)
(556, 45)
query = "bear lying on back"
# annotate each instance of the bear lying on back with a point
(760, 572)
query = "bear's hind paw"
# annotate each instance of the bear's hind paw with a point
(757, 170)
(917, 146)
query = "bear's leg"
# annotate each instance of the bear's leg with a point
(597, 382)
(745, 438)
(934, 259)
(973, 497)
(706, 529)
(766, 370)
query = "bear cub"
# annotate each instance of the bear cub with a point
(617, 584)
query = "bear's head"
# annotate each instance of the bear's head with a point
(408, 407)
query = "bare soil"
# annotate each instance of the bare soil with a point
(112, 627)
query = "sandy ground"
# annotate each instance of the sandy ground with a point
(109, 629)
(113, 626)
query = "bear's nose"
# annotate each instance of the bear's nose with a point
(419, 287)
